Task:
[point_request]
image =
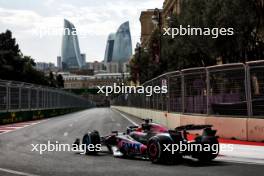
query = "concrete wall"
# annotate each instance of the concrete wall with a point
(227, 127)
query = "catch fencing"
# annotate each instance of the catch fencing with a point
(229, 89)
(19, 96)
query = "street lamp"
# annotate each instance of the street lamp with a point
(169, 20)
(157, 21)
(138, 47)
(156, 18)
(138, 51)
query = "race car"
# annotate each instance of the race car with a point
(157, 143)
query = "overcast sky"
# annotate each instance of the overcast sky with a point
(95, 19)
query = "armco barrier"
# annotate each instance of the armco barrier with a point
(227, 127)
(256, 129)
(22, 116)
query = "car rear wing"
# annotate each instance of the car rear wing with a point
(131, 128)
(207, 129)
(192, 127)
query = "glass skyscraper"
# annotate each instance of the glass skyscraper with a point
(119, 45)
(71, 55)
(109, 48)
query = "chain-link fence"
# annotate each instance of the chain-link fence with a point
(229, 89)
(18, 96)
(255, 76)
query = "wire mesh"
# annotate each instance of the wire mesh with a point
(195, 100)
(175, 92)
(14, 98)
(229, 89)
(3, 98)
(25, 98)
(256, 77)
(227, 93)
(18, 96)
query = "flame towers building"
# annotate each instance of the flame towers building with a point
(109, 48)
(123, 44)
(71, 55)
(119, 45)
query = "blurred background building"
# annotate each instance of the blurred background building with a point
(109, 48)
(70, 53)
(45, 67)
(118, 50)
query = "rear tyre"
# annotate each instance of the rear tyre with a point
(157, 153)
(207, 156)
(90, 141)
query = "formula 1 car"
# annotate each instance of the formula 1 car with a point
(157, 143)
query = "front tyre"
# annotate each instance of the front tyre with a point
(90, 140)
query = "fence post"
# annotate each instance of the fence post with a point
(7, 97)
(207, 91)
(19, 97)
(44, 98)
(153, 98)
(248, 90)
(183, 93)
(43, 102)
(29, 98)
(168, 93)
(37, 98)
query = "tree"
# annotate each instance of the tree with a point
(140, 66)
(244, 16)
(15, 66)
(52, 82)
(237, 14)
(60, 81)
(10, 56)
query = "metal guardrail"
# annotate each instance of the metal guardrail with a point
(229, 89)
(19, 96)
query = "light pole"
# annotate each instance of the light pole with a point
(156, 18)
(138, 48)
(157, 21)
(170, 20)
(138, 51)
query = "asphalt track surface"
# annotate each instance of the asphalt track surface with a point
(16, 157)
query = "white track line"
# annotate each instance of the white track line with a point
(18, 128)
(16, 172)
(65, 134)
(113, 120)
(123, 115)
(238, 160)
